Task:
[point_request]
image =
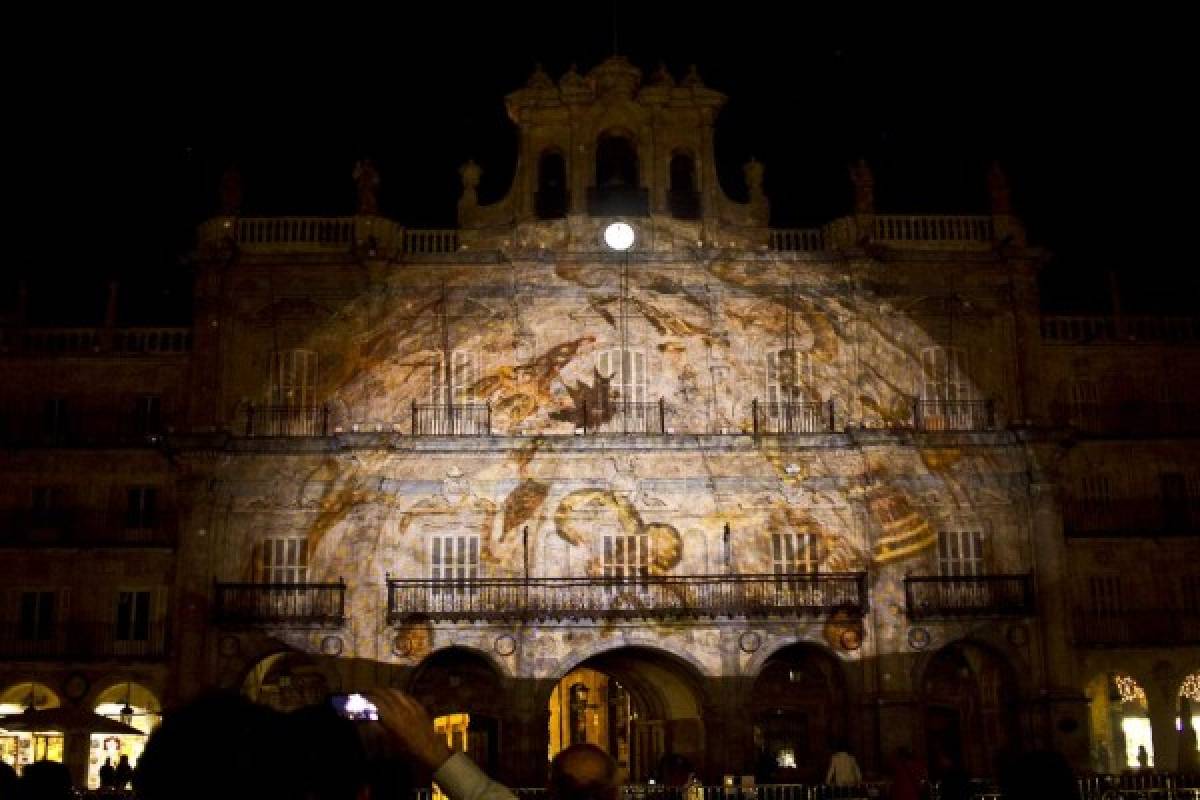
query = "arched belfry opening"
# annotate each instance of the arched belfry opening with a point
(617, 191)
(551, 200)
(683, 197)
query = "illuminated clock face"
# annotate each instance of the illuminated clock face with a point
(619, 236)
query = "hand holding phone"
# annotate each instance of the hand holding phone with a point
(354, 707)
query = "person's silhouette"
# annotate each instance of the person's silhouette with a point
(108, 775)
(123, 773)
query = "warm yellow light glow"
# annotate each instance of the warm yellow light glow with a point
(1137, 732)
(619, 236)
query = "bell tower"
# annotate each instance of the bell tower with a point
(611, 145)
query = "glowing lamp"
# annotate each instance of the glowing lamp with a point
(619, 236)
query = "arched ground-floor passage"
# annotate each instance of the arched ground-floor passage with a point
(798, 709)
(21, 747)
(467, 697)
(1120, 723)
(131, 704)
(642, 706)
(969, 706)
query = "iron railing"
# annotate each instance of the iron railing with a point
(444, 419)
(797, 240)
(287, 421)
(1137, 628)
(954, 415)
(1133, 418)
(618, 416)
(806, 594)
(934, 596)
(1131, 516)
(82, 641)
(1083, 330)
(76, 527)
(280, 603)
(794, 417)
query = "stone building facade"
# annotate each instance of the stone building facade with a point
(715, 502)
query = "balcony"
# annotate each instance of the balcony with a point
(82, 528)
(933, 228)
(660, 597)
(466, 419)
(80, 429)
(286, 421)
(968, 596)
(1142, 516)
(618, 201)
(92, 341)
(790, 418)
(82, 641)
(280, 604)
(954, 415)
(797, 240)
(1138, 628)
(617, 416)
(1101, 330)
(1135, 418)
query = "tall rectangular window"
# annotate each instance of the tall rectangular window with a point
(788, 373)
(626, 372)
(36, 613)
(793, 552)
(454, 378)
(147, 415)
(960, 553)
(293, 379)
(625, 557)
(284, 560)
(47, 506)
(454, 558)
(141, 507)
(944, 373)
(54, 419)
(1105, 594)
(133, 616)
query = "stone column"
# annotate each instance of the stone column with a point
(525, 734)
(728, 729)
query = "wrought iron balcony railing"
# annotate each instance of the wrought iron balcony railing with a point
(954, 415)
(1137, 628)
(808, 594)
(618, 416)
(287, 421)
(280, 604)
(1130, 419)
(74, 527)
(1131, 516)
(795, 417)
(944, 596)
(440, 419)
(79, 641)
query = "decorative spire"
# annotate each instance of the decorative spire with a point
(539, 79)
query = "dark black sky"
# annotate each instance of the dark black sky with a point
(122, 129)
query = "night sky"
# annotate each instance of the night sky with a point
(122, 135)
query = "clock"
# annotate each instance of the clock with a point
(619, 236)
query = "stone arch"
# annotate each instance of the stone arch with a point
(289, 679)
(20, 694)
(968, 692)
(1119, 711)
(467, 695)
(765, 653)
(649, 710)
(616, 159)
(581, 654)
(799, 707)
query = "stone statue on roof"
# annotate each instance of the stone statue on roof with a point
(692, 79)
(863, 180)
(366, 179)
(662, 76)
(539, 79)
